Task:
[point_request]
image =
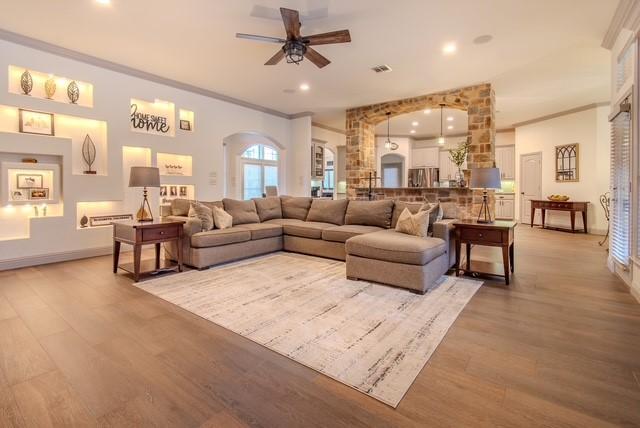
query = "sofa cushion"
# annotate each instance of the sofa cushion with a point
(295, 207)
(202, 213)
(268, 208)
(217, 237)
(414, 224)
(241, 211)
(391, 246)
(328, 211)
(342, 233)
(283, 221)
(262, 230)
(370, 213)
(306, 229)
(448, 210)
(181, 206)
(399, 206)
(221, 218)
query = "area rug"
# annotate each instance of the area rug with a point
(371, 337)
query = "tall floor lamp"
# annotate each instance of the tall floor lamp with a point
(485, 178)
(144, 176)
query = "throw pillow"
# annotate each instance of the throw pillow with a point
(399, 207)
(203, 214)
(221, 218)
(413, 224)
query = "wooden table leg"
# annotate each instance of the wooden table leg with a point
(157, 256)
(458, 251)
(468, 245)
(533, 214)
(572, 214)
(137, 256)
(584, 220)
(505, 262)
(180, 254)
(116, 255)
(511, 256)
(544, 213)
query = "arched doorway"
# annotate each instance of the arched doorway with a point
(392, 170)
(252, 161)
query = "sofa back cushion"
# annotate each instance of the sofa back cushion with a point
(328, 211)
(268, 208)
(295, 207)
(399, 207)
(370, 213)
(202, 213)
(449, 210)
(242, 211)
(181, 207)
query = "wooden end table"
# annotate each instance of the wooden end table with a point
(571, 206)
(500, 233)
(145, 233)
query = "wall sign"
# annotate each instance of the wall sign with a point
(153, 117)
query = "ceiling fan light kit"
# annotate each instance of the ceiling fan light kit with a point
(297, 47)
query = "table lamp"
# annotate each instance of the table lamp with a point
(485, 178)
(144, 176)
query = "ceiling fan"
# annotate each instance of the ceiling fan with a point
(296, 47)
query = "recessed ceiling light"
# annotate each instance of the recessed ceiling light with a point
(427, 111)
(304, 86)
(450, 127)
(413, 131)
(104, 2)
(449, 48)
(415, 123)
(450, 118)
(481, 40)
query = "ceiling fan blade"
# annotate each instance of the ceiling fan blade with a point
(260, 38)
(313, 56)
(341, 36)
(291, 20)
(276, 58)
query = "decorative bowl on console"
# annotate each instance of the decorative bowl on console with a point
(558, 198)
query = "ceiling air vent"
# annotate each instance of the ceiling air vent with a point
(384, 68)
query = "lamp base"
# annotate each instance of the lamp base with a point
(144, 215)
(484, 209)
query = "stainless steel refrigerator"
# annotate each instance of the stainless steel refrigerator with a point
(423, 177)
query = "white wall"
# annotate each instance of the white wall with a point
(588, 128)
(214, 120)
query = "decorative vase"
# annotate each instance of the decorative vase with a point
(50, 87)
(84, 221)
(73, 92)
(26, 82)
(460, 178)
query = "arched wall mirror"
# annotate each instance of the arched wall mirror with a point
(567, 162)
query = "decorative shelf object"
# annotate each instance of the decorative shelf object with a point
(29, 183)
(174, 165)
(157, 118)
(186, 120)
(28, 82)
(168, 192)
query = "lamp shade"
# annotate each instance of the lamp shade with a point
(144, 176)
(485, 178)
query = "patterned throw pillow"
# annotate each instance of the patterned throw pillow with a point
(222, 219)
(203, 214)
(414, 224)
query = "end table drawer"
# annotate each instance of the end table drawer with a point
(159, 233)
(481, 235)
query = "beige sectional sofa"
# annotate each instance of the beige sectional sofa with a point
(359, 232)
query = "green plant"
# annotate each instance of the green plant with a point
(459, 155)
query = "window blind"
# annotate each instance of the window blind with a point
(620, 227)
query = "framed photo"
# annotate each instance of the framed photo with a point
(163, 191)
(36, 122)
(19, 195)
(183, 191)
(173, 191)
(38, 194)
(185, 125)
(106, 220)
(29, 181)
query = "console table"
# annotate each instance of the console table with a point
(500, 233)
(572, 207)
(145, 233)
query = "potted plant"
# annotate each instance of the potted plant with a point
(458, 157)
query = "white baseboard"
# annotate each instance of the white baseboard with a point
(64, 256)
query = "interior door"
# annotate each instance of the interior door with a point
(530, 185)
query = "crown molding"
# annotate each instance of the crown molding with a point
(328, 128)
(301, 114)
(119, 68)
(627, 15)
(561, 113)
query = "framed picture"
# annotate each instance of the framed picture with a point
(163, 191)
(19, 195)
(36, 122)
(106, 220)
(185, 125)
(29, 181)
(568, 162)
(183, 191)
(38, 194)
(173, 191)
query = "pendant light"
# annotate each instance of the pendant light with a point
(389, 145)
(441, 138)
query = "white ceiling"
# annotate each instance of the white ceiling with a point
(545, 55)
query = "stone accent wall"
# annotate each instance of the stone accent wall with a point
(478, 101)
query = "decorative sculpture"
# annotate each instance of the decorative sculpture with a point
(84, 221)
(26, 82)
(73, 92)
(89, 153)
(50, 87)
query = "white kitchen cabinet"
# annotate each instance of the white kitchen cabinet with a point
(505, 205)
(425, 157)
(506, 162)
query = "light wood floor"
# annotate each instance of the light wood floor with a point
(559, 347)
